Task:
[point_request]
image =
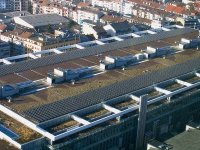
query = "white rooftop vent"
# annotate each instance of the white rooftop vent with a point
(73, 82)
(9, 99)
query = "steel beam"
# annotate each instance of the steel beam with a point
(111, 109)
(183, 83)
(161, 90)
(80, 120)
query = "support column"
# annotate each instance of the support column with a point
(161, 90)
(79, 46)
(141, 123)
(80, 120)
(169, 99)
(197, 74)
(112, 109)
(118, 39)
(134, 97)
(183, 83)
(5, 61)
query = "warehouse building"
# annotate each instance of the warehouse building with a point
(40, 20)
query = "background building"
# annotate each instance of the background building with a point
(40, 21)
(2, 4)
(4, 49)
(14, 5)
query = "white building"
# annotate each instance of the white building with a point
(97, 31)
(119, 6)
(119, 28)
(88, 14)
(2, 4)
(14, 5)
(188, 1)
(157, 24)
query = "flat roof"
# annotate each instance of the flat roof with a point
(37, 71)
(16, 130)
(186, 140)
(16, 13)
(71, 104)
(89, 51)
(64, 98)
(43, 19)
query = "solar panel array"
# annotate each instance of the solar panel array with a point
(49, 60)
(68, 105)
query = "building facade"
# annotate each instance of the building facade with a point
(4, 49)
(14, 5)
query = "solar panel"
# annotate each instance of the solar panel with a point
(71, 104)
(69, 55)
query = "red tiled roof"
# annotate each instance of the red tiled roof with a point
(26, 35)
(197, 6)
(82, 4)
(15, 32)
(179, 10)
(3, 27)
(175, 9)
(170, 8)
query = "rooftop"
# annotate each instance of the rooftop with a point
(186, 140)
(38, 72)
(89, 10)
(6, 146)
(99, 29)
(109, 18)
(41, 20)
(16, 14)
(121, 26)
(43, 102)
(61, 91)
(24, 134)
(100, 95)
